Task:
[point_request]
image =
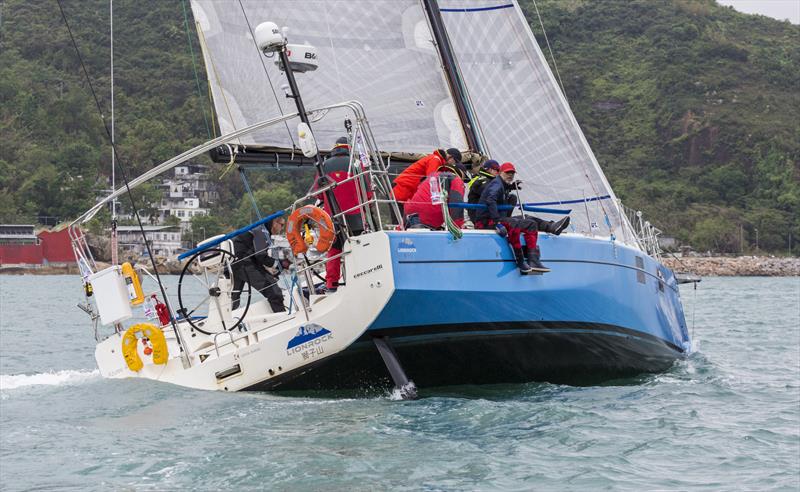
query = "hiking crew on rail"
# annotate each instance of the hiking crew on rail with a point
(500, 191)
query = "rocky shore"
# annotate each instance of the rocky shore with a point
(735, 266)
(705, 266)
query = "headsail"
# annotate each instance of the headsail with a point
(523, 115)
(380, 53)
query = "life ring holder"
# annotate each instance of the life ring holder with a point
(130, 345)
(294, 229)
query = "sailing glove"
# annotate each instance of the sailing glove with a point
(501, 230)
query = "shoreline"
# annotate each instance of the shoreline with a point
(704, 266)
(735, 266)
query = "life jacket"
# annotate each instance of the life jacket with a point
(336, 168)
(430, 213)
(476, 186)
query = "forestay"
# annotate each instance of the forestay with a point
(523, 116)
(380, 53)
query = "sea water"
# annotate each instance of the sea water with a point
(725, 418)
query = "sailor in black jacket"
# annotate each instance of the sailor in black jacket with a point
(252, 257)
(489, 170)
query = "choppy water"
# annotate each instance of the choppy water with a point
(727, 418)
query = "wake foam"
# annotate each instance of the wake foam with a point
(53, 378)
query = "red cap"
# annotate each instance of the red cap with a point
(507, 167)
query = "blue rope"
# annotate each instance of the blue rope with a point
(579, 200)
(525, 206)
(232, 234)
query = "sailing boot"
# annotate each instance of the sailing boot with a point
(523, 266)
(535, 262)
(558, 227)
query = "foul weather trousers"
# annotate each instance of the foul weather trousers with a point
(259, 280)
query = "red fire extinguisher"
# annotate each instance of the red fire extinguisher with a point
(162, 312)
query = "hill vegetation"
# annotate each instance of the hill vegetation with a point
(692, 109)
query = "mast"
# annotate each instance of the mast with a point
(454, 81)
(114, 245)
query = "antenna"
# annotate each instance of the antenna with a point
(301, 58)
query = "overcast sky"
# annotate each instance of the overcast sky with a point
(779, 9)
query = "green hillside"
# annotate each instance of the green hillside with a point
(691, 108)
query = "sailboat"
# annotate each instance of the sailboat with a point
(424, 308)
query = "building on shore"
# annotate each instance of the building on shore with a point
(163, 240)
(21, 245)
(186, 195)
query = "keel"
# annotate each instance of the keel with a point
(406, 387)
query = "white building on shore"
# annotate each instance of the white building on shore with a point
(186, 195)
(164, 240)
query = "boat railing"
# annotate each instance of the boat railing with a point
(367, 163)
(646, 233)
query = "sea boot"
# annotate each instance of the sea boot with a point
(523, 266)
(558, 227)
(534, 261)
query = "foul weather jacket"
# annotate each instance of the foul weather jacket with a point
(497, 192)
(337, 168)
(430, 213)
(405, 185)
(476, 186)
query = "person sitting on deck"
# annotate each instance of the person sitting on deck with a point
(337, 168)
(427, 201)
(498, 192)
(406, 184)
(489, 170)
(252, 257)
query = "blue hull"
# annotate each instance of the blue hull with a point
(462, 314)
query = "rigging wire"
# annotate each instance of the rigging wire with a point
(121, 168)
(194, 65)
(552, 57)
(264, 66)
(586, 173)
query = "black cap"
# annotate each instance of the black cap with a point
(455, 153)
(341, 141)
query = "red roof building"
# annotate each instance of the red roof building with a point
(20, 246)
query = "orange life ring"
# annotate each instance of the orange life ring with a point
(294, 229)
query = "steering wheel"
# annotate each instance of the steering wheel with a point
(206, 291)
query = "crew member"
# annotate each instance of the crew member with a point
(337, 168)
(405, 185)
(499, 192)
(427, 201)
(252, 257)
(488, 171)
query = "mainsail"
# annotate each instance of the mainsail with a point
(383, 54)
(380, 53)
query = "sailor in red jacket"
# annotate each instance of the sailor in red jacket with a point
(427, 201)
(337, 168)
(405, 185)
